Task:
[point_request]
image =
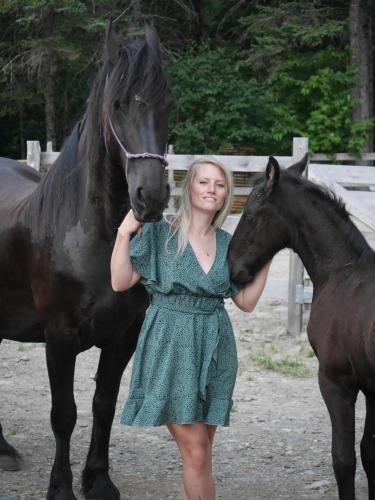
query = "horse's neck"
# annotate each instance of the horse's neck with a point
(107, 182)
(327, 241)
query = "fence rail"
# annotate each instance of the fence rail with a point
(342, 179)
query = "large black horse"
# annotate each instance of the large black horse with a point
(286, 210)
(56, 237)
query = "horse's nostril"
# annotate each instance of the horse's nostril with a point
(140, 195)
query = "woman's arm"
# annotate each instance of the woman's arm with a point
(248, 297)
(122, 275)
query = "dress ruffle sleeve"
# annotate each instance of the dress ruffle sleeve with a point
(143, 254)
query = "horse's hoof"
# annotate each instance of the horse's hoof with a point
(10, 462)
(61, 495)
(101, 489)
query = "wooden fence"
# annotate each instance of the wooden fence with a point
(339, 178)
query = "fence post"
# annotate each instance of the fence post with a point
(295, 299)
(172, 184)
(33, 154)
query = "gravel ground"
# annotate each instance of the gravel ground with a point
(277, 447)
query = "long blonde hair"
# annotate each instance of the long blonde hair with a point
(182, 220)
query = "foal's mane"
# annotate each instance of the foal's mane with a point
(331, 202)
(139, 69)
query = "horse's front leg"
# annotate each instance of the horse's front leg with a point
(61, 351)
(113, 360)
(340, 401)
(368, 446)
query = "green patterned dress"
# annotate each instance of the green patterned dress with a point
(185, 364)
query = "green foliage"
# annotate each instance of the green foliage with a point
(245, 74)
(299, 49)
(219, 105)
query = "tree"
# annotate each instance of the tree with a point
(361, 44)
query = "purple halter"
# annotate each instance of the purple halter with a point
(133, 156)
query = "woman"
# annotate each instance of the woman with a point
(185, 363)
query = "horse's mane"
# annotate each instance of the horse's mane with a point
(61, 180)
(139, 69)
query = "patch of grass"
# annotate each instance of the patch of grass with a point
(13, 432)
(307, 351)
(286, 366)
(21, 348)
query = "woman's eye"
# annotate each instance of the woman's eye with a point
(221, 186)
(202, 182)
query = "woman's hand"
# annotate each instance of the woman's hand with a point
(129, 225)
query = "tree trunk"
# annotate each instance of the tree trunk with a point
(47, 85)
(21, 122)
(361, 59)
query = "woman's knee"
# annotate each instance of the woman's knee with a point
(197, 456)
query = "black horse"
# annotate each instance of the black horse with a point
(286, 210)
(56, 237)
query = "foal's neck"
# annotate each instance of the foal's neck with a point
(327, 240)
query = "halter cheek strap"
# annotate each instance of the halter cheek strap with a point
(134, 156)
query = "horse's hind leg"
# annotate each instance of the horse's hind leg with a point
(368, 446)
(61, 357)
(341, 407)
(113, 360)
(9, 458)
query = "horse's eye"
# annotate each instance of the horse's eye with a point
(140, 99)
(117, 105)
(249, 218)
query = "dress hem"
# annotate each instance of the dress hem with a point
(151, 412)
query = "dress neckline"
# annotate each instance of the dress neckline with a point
(215, 257)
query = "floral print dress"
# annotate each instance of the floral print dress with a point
(185, 363)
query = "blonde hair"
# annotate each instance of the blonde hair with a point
(182, 220)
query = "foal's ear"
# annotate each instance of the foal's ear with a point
(152, 38)
(112, 44)
(272, 173)
(299, 167)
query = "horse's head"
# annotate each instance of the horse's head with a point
(263, 230)
(135, 119)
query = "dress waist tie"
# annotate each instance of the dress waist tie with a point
(190, 304)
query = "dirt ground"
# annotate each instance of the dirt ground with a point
(277, 447)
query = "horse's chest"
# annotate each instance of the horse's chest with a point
(341, 329)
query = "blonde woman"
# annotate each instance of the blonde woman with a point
(185, 363)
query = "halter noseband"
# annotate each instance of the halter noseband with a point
(134, 156)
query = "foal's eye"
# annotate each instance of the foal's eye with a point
(117, 105)
(249, 218)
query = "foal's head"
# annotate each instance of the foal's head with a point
(262, 230)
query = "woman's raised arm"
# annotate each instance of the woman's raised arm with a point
(248, 297)
(123, 276)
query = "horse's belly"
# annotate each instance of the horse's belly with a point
(18, 321)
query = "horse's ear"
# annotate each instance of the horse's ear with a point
(272, 173)
(112, 44)
(152, 38)
(299, 167)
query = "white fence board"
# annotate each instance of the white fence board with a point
(346, 175)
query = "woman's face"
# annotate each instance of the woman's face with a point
(209, 189)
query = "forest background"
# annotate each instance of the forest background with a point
(248, 75)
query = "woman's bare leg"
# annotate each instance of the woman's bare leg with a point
(195, 444)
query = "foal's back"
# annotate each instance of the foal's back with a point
(341, 328)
